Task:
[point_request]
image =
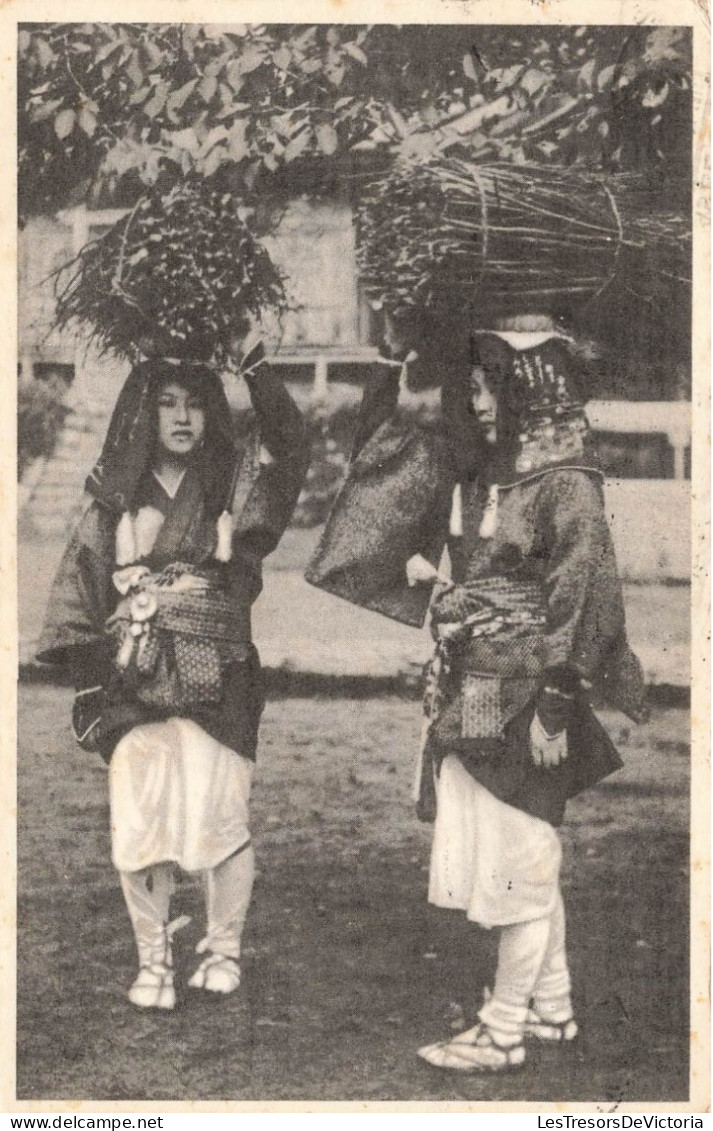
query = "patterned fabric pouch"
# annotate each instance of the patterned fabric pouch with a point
(187, 672)
(199, 669)
(482, 714)
(173, 638)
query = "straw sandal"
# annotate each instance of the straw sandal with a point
(153, 988)
(218, 974)
(476, 1050)
(563, 1032)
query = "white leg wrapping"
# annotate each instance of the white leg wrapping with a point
(148, 894)
(551, 994)
(520, 954)
(228, 888)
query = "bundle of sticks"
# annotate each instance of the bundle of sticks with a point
(532, 237)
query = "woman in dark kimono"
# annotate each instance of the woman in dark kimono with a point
(531, 623)
(151, 609)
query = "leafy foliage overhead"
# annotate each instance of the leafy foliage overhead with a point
(111, 108)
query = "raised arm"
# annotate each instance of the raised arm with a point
(270, 481)
(279, 421)
(378, 404)
(393, 505)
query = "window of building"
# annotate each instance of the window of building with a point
(47, 370)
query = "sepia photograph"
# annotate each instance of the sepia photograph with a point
(362, 429)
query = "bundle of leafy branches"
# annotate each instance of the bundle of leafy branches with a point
(511, 237)
(180, 275)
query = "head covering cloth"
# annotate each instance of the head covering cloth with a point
(534, 373)
(131, 442)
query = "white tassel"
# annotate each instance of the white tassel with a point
(224, 527)
(147, 524)
(125, 652)
(403, 375)
(125, 541)
(489, 520)
(456, 523)
(265, 457)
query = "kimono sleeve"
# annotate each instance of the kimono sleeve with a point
(586, 626)
(81, 599)
(378, 404)
(394, 503)
(267, 489)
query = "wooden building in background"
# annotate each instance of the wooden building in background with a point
(326, 337)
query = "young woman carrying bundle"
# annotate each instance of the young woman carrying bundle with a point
(151, 609)
(530, 625)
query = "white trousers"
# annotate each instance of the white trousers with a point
(176, 794)
(179, 797)
(501, 866)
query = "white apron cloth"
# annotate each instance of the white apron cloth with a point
(176, 794)
(493, 861)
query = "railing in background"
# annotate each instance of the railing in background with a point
(319, 360)
(669, 418)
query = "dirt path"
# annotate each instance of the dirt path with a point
(346, 970)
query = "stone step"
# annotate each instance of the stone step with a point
(52, 521)
(81, 425)
(49, 506)
(84, 424)
(52, 489)
(86, 452)
(85, 437)
(66, 471)
(71, 448)
(53, 503)
(48, 497)
(70, 458)
(64, 481)
(65, 467)
(45, 529)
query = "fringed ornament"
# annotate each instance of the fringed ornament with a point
(265, 457)
(489, 520)
(125, 653)
(147, 525)
(125, 540)
(456, 521)
(224, 528)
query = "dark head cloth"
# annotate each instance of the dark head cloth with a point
(130, 445)
(541, 420)
(539, 383)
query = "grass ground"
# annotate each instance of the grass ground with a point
(346, 968)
